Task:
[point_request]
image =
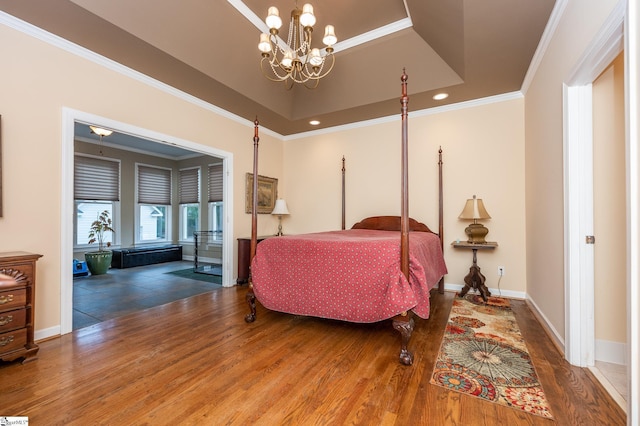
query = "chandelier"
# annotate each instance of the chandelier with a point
(297, 61)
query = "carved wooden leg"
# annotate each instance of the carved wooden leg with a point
(465, 289)
(251, 300)
(404, 324)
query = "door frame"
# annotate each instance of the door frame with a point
(620, 32)
(69, 118)
(578, 187)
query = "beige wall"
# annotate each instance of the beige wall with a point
(609, 204)
(483, 154)
(38, 80)
(544, 156)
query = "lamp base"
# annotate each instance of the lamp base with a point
(476, 232)
(279, 234)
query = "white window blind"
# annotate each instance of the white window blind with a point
(96, 179)
(215, 182)
(189, 186)
(154, 185)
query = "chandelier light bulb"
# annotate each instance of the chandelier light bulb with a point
(307, 19)
(329, 36)
(287, 60)
(265, 44)
(316, 59)
(273, 20)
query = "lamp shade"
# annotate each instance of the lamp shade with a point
(474, 209)
(280, 208)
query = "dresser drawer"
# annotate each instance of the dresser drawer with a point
(13, 298)
(13, 340)
(13, 319)
(22, 272)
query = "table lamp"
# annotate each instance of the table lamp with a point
(280, 209)
(474, 210)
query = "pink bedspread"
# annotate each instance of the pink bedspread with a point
(352, 275)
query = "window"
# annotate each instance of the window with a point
(96, 188)
(216, 215)
(154, 203)
(86, 212)
(189, 187)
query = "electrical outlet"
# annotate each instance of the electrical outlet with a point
(501, 271)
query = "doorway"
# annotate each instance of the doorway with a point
(70, 117)
(580, 291)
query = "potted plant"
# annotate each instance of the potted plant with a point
(99, 261)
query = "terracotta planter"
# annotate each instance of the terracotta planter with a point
(98, 262)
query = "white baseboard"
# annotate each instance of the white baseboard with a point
(494, 291)
(46, 333)
(612, 352)
(557, 339)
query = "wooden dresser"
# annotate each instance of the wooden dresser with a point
(17, 304)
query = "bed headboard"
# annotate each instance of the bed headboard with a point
(389, 223)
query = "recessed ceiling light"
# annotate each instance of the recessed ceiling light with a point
(314, 122)
(440, 96)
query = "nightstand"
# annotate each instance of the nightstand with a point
(244, 258)
(474, 278)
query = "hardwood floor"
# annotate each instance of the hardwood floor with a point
(195, 361)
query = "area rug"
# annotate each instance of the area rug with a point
(484, 355)
(189, 273)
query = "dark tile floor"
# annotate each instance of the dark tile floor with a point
(122, 291)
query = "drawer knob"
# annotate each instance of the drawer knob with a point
(6, 299)
(6, 340)
(6, 320)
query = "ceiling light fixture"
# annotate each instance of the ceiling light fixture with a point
(314, 122)
(440, 96)
(297, 61)
(100, 132)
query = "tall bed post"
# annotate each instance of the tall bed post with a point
(404, 208)
(440, 214)
(251, 297)
(343, 196)
(404, 322)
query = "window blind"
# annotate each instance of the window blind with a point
(189, 186)
(215, 182)
(96, 179)
(154, 185)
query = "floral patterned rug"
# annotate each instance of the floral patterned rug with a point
(483, 354)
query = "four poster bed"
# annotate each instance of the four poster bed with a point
(382, 268)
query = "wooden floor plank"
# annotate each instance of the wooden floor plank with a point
(196, 361)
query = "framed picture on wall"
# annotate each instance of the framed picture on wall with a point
(267, 194)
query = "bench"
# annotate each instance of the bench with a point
(140, 256)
